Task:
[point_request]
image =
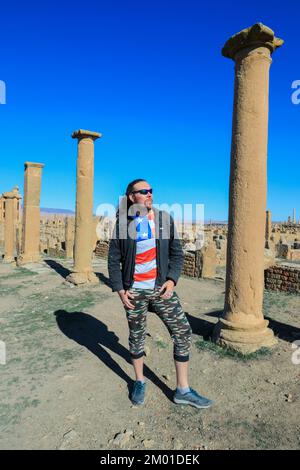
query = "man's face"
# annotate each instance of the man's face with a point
(142, 199)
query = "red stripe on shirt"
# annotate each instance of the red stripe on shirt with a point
(145, 257)
(145, 276)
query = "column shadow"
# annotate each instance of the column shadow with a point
(284, 331)
(59, 268)
(64, 272)
(202, 327)
(94, 335)
(104, 279)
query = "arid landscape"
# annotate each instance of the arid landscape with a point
(68, 371)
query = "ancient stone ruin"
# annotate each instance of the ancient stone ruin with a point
(255, 251)
(243, 327)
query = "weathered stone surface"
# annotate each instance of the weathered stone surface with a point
(11, 200)
(243, 327)
(30, 249)
(82, 270)
(255, 36)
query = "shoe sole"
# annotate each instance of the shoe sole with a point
(137, 403)
(185, 402)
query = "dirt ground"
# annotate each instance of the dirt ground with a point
(67, 373)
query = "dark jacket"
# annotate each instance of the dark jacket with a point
(122, 252)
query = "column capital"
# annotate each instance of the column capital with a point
(253, 37)
(34, 165)
(12, 194)
(84, 134)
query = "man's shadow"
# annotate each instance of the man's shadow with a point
(94, 335)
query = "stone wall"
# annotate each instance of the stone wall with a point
(189, 264)
(2, 235)
(101, 250)
(282, 278)
(56, 252)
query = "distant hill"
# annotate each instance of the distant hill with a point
(215, 222)
(50, 210)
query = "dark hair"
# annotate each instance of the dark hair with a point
(130, 188)
(128, 191)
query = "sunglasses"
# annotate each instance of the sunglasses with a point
(143, 191)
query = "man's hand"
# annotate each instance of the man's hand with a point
(168, 286)
(125, 296)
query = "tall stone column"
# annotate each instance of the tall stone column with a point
(30, 250)
(243, 327)
(11, 200)
(82, 271)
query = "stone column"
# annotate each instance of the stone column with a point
(12, 200)
(82, 271)
(69, 237)
(268, 228)
(242, 326)
(1, 208)
(30, 250)
(208, 261)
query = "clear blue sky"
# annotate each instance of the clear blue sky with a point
(150, 76)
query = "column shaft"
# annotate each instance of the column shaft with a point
(30, 250)
(243, 326)
(82, 271)
(10, 224)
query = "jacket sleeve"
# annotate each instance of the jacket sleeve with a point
(176, 256)
(114, 259)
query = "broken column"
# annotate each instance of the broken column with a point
(30, 248)
(82, 270)
(12, 201)
(242, 326)
(69, 237)
(268, 229)
(208, 261)
(18, 221)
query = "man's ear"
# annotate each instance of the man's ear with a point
(131, 197)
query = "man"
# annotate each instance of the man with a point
(151, 257)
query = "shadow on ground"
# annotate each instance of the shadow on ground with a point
(94, 335)
(64, 272)
(104, 279)
(201, 327)
(59, 268)
(283, 331)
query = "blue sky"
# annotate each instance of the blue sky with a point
(148, 75)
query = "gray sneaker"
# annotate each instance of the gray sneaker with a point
(138, 393)
(192, 398)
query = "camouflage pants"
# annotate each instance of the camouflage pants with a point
(169, 311)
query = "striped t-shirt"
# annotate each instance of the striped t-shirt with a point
(145, 261)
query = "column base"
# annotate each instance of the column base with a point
(83, 278)
(9, 260)
(27, 259)
(242, 338)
